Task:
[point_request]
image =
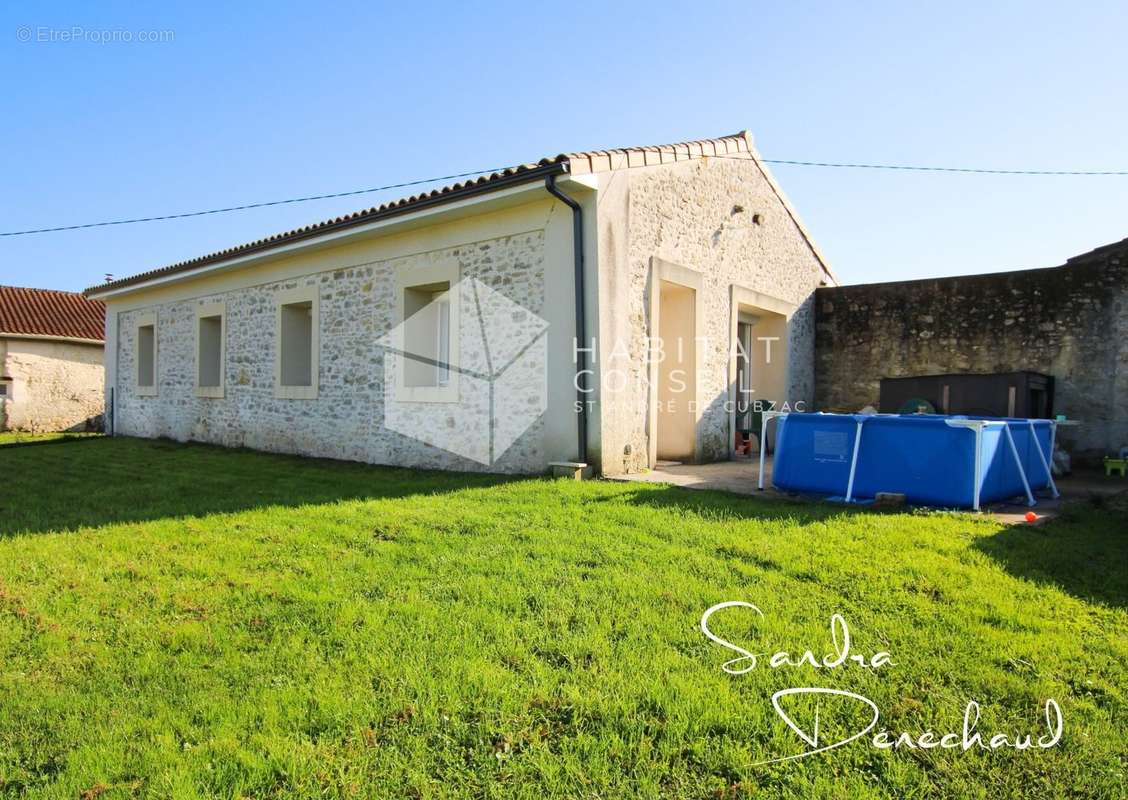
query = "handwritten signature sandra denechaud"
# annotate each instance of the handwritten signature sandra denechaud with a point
(964, 740)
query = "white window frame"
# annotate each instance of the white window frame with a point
(203, 311)
(144, 320)
(302, 294)
(412, 277)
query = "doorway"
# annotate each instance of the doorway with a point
(677, 373)
(744, 343)
(759, 374)
(677, 353)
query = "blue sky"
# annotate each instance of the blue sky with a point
(253, 102)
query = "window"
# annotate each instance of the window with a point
(145, 351)
(210, 349)
(428, 334)
(296, 357)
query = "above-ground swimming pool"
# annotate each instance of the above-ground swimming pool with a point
(953, 462)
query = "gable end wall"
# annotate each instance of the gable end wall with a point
(699, 215)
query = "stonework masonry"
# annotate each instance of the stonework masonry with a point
(719, 217)
(1070, 322)
(704, 216)
(719, 220)
(357, 307)
(51, 385)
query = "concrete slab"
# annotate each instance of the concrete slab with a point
(740, 476)
(1081, 485)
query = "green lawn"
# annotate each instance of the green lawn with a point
(24, 437)
(186, 621)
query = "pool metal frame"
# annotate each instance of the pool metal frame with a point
(976, 425)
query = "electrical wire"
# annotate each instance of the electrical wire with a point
(251, 205)
(975, 170)
(354, 192)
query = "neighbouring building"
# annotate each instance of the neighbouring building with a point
(51, 375)
(1068, 322)
(440, 330)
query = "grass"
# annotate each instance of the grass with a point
(186, 621)
(26, 437)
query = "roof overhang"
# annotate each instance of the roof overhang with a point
(496, 194)
(43, 337)
(511, 187)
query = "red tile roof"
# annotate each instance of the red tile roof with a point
(496, 180)
(46, 312)
(578, 163)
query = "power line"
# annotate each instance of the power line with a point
(251, 205)
(787, 162)
(975, 170)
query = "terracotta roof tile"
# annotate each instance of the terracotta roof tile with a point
(46, 312)
(578, 163)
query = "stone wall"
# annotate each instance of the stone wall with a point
(1070, 322)
(719, 217)
(357, 307)
(53, 386)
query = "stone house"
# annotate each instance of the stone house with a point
(51, 375)
(606, 308)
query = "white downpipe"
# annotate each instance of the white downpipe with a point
(1042, 455)
(854, 462)
(1018, 463)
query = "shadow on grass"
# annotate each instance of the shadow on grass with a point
(710, 503)
(39, 440)
(101, 481)
(1084, 553)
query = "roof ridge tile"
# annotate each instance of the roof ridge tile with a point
(579, 162)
